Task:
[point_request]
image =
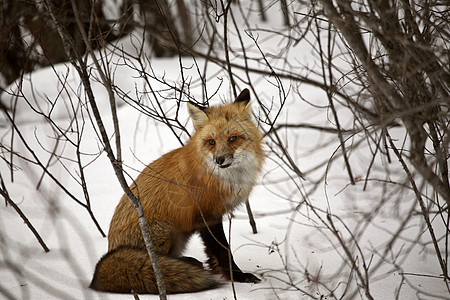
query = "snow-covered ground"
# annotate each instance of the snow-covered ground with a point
(293, 252)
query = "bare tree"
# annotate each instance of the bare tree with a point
(368, 80)
(28, 41)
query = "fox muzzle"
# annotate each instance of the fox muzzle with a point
(224, 161)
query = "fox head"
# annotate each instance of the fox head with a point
(227, 138)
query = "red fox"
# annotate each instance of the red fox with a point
(185, 191)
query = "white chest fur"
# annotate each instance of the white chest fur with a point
(239, 177)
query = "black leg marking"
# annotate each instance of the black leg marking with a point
(216, 248)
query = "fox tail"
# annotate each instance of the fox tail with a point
(128, 269)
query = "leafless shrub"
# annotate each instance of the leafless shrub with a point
(368, 80)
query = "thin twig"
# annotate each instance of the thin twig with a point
(8, 199)
(80, 66)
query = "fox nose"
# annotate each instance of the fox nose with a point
(224, 161)
(220, 160)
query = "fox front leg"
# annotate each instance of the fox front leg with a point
(216, 248)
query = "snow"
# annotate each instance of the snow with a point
(292, 252)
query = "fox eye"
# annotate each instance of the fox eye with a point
(232, 139)
(211, 142)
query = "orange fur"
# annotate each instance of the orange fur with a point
(187, 188)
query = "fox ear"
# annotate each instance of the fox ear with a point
(244, 97)
(197, 114)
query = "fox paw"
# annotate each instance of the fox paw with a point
(245, 277)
